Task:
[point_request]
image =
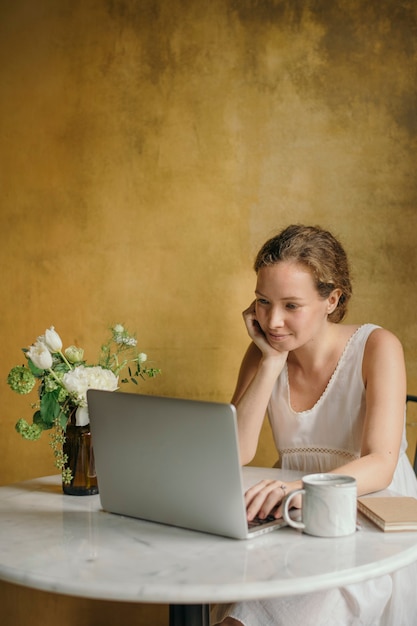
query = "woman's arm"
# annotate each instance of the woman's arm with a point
(384, 377)
(257, 377)
(260, 368)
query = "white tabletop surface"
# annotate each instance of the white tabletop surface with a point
(68, 545)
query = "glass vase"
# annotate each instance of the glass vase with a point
(80, 461)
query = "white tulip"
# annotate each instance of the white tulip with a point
(52, 340)
(74, 354)
(40, 355)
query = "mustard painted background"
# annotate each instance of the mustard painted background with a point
(149, 147)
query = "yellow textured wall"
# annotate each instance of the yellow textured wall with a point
(149, 147)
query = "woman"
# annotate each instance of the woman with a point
(335, 397)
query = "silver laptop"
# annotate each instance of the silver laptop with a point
(171, 461)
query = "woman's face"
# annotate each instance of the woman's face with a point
(288, 307)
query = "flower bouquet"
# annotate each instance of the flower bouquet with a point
(63, 379)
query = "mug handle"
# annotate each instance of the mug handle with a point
(285, 509)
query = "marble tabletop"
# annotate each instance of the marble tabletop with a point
(67, 544)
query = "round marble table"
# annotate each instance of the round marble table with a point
(68, 545)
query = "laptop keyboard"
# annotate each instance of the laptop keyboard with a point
(257, 521)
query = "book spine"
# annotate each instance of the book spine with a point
(374, 518)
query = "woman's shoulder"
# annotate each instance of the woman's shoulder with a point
(383, 352)
(375, 340)
(346, 334)
(381, 339)
(383, 362)
(372, 333)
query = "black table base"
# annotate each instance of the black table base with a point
(189, 615)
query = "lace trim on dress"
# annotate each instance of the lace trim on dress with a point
(342, 358)
(316, 450)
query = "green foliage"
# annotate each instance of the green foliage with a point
(57, 399)
(21, 379)
(57, 439)
(50, 408)
(32, 432)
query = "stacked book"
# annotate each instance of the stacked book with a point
(393, 513)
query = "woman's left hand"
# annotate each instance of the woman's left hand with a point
(265, 498)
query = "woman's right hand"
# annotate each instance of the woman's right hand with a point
(257, 335)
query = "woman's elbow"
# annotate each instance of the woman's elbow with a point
(384, 469)
(246, 455)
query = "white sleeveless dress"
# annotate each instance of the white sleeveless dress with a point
(319, 440)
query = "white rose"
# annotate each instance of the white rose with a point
(40, 355)
(78, 380)
(142, 357)
(52, 340)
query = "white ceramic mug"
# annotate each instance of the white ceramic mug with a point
(328, 505)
